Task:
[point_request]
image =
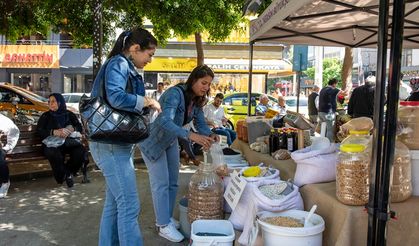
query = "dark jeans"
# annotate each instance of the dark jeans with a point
(56, 158)
(4, 168)
(230, 134)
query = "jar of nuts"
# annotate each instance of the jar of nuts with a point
(352, 174)
(205, 194)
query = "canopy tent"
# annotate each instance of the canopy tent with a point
(351, 23)
(354, 23)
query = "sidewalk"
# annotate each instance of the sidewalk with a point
(39, 212)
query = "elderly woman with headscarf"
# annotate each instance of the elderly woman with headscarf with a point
(62, 123)
(414, 84)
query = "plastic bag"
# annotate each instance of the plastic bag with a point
(53, 141)
(217, 159)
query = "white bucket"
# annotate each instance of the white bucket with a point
(185, 226)
(295, 236)
(415, 171)
(212, 226)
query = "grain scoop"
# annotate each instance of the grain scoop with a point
(307, 222)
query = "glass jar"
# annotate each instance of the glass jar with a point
(352, 174)
(401, 188)
(205, 194)
(408, 115)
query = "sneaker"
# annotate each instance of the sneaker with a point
(175, 223)
(170, 233)
(3, 189)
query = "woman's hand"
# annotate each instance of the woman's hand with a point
(150, 102)
(202, 140)
(62, 133)
(215, 137)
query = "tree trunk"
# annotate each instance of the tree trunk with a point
(199, 49)
(347, 70)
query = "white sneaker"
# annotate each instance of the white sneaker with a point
(175, 223)
(170, 233)
(3, 189)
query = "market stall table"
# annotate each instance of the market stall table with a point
(345, 225)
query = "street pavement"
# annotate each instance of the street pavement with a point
(38, 212)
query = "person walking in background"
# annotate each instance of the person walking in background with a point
(180, 105)
(133, 49)
(214, 115)
(327, 107)
(60, 122)
(313, 104)
(263, 106)
(11, 131)
(157, 93)
(361, 102)
(414, 84)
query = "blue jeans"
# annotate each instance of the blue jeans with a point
(163, 174)
(119, 224)
(230, 134)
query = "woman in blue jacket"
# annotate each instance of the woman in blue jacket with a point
(119, 223)
(180, 105)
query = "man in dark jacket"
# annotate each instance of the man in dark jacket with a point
(327, 107)
(361, 103)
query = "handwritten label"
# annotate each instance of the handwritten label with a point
(234, 189)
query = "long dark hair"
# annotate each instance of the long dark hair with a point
(197, 73)
(136, 35)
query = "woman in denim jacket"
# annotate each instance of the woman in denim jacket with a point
(119, 223)
(180, 105)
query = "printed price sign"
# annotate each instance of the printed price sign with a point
(234, 189)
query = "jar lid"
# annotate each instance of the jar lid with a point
(409, 103)
(352, 148)
(363, 132)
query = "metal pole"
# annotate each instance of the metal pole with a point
(379, 100)
(249, 90)
(391, 118)
(299, 82)
(97, 36)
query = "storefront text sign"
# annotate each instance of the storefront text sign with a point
(234, 189)
(29, 56)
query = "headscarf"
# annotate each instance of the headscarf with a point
(414, 84)
(61, 114)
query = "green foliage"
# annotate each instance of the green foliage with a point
(332, 68)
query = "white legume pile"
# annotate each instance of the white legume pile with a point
(273, 191)
(283, 221)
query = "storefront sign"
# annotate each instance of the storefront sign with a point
(218, 65)
(234, 189)
(29, 56)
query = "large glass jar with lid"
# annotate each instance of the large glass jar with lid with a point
(408, 115)
(205, 194)
(352, 174)
(401, 188)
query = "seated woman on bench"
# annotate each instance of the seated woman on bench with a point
(60, 122)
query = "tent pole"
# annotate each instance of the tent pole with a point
(379, 100)
(249, 90)
(384, 212)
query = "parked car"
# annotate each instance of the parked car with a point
(291, 102)
(235, 106)
(73, 99)
(25, 99)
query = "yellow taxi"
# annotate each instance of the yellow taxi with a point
(235, 106)
(26, 100)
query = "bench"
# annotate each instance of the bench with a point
(29, 149)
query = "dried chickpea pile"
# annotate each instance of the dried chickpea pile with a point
(205, 203)
(352, 181)
(283, 221)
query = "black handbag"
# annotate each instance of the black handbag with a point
(105, 124)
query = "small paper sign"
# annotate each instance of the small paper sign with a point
(234, 189)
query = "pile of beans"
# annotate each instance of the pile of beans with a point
(273, 191)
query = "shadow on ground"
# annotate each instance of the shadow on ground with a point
(40, 212)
